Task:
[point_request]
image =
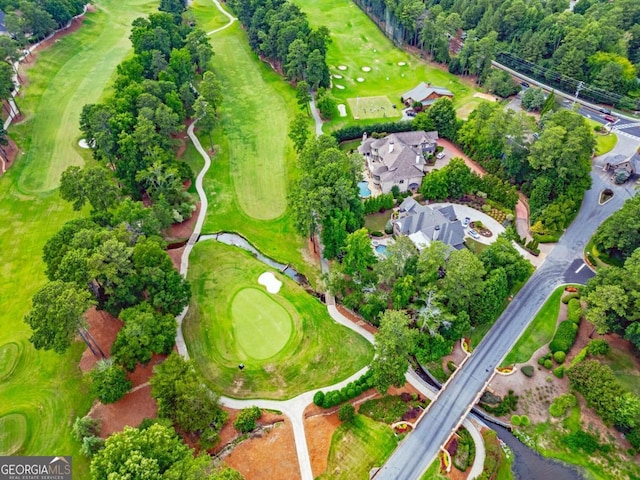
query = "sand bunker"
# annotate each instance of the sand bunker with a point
(337, 76)
(360, 79)
(270, 281)
(342, 67)
(339, 87)
(402, 64)
(83, 143)
(366, 69)
(342, 108)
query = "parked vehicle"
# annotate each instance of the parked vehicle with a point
(440, 155)
(466, 222)
(411, 113)
(606, 111)
(524, 85)
(474, 234)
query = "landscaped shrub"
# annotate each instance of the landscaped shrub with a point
(85, 427)
(574, 310)
(559, 357)
(598, 346)
(548, 364)
(318, 398)
(356, 131)
(570, 296)
(525, 421)
(379, 203)
(559, 372)
(109, 381)
(564, 337)
(466, 452)
(560, 404)
(634, 437)
(582, 354)
(335, 397)
(91, 445)
(527, 371)
(376, 233)
(580, 440)
(346, 412)
(451, 366)
(246, 419)
(507, 405)
(515, 420)
(388, 409)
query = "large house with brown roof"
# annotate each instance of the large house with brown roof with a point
(398, 159)
(425, 94)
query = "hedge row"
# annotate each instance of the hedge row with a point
(567, 298)
(574, 310)
(336, 397)
(379, 203)
(356, 131)
(565, 337)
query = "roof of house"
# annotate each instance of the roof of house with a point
(433, 224)
(634, 160)
(615, 159)
(400, 153)
(422, 91)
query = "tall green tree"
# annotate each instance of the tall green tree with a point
(299, 131)
(394, 342)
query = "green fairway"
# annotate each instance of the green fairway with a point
(255, 115)
(13, 431)
(310, 352)
(358, 45)
(47, 388)
(261, 326)
(66, 79)
(9, 356)
(624, 369)
(539, 332)
(358, 446)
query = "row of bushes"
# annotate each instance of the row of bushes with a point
(356, 131)
(336, 397)
(565, 337)
(574, 310)
(567, 298)
(379, 203)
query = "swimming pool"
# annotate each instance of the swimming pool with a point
(364, 189)
(381, 250)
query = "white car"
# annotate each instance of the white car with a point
(474, 234)
(440, 155)
(466, 222)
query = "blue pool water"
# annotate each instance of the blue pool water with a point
(382, 250)
(364, 189)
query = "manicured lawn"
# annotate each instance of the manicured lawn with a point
(433, 472)
(604, 143)
(357, 42)
(44, 387)
(376, 222)
(358, 446)
(305, 348)
(539, 332)
(64, 81)
(624, 369)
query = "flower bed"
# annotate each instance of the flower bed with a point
(466, 345)
(508, 370)
(445, 462)
(402, 428)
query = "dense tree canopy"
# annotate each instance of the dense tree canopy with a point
(619, 235)
(394, 343)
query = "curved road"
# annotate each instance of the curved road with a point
(563, 265)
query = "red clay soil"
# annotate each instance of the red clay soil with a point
(268, 454)
(182, 231)
(355, 318)
(11, 153)
(321, 423)
(130, 410)
(104, 328)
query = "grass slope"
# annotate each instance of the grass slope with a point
(358, 446)
(539, 331)
(357, 42)
(45, 387)
(318, 352)
(64, 81)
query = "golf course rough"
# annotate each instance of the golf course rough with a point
(261, 326)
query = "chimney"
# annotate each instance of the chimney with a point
(436, 233)
(390, 146)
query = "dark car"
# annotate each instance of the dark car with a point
(606, 111)
(411, 113)
(524, 85)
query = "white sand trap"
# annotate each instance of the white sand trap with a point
(270, 281)
(342, 108)
(339, 87)
(366, 69)
(83, 143)
(402, 64)
(360, 79)
(342, 67)
(337, 76)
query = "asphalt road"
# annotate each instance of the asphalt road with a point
(563, 265)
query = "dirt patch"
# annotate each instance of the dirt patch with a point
(457, 356)
(355, 318)
(182, 231)
(175, 254)
(267, 452)
(8, 156)
(103, 327)
(129, 410)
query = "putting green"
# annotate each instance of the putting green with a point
(9, 354)
(262, 327)
(13, 431)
